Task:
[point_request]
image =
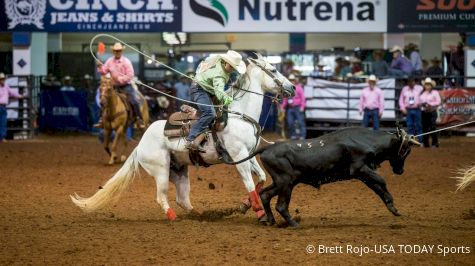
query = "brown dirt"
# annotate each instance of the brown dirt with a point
(40, 225)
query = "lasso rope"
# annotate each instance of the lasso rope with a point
(446, 128)
(153, 59)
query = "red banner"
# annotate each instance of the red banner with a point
(458, 106)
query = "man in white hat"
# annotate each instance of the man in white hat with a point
(212, 75)
(371, 103)
(67, 84)
(122, 73)
(5, 94)
(400, 66)
(430, 100)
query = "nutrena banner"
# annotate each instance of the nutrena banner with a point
(431, 16)
(284, 16)
(90, 15)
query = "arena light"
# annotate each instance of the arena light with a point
(274, 59)
(175, 38)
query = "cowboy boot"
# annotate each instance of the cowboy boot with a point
(195, 144)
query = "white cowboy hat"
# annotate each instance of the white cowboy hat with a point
(396, 48)
(87, 76)
(430, 81)
(67, 78)
(117, 47)
(292, 77)
(235, 60)
(372, 78)
(2, 76)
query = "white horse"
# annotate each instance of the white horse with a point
(167, 159)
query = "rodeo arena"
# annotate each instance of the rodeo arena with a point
(216, 132)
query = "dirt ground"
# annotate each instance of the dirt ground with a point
(40, 225)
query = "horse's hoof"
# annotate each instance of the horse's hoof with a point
(171, 215)
(245, 206)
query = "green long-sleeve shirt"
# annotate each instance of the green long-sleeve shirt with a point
(212, 77)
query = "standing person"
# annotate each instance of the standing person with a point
(409, 103)
(400, 66)
(435, 71)
(183, 89)
(211, 77)
(372, 103)
(122, 72)
(457, 64)
(5, 94)
(295, 110)
(430, 100)
(67, 84)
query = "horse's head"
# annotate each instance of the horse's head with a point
(401, 147)
(105, 89)
(271, 80)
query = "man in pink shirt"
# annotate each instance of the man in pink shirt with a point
(5, 94)
(430, 100)
(371, 103)
(122, 72)
(295, 110)
(409, 104)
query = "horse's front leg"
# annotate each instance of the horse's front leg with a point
(107, 134)
(244, 170)
(119, 133)
(256, 169)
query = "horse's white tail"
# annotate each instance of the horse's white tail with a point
(466, 177)
(112, 190)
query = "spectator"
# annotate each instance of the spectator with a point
(457, 64)
(435, 71)
(50, 82)
(67, 84)
(346, 69)
(400, 66)
(356, 68)
(415, 58)
(425, 66)
(5, 94)
(409, 103)
(430, 100)
(295, 110)
(320, 72)
(380, 67)
(371, 103)
(182, 88)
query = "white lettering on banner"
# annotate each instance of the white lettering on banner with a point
(285, 16)
(112, 4)
(65, 111)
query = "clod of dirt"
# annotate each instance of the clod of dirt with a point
(212, 215)
(100, 187)
(200, 179)
(211, 186)
(470, 215)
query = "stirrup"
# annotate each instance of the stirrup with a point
(192, 145)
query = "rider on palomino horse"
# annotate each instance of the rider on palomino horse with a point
(122, 72)
(212, 75)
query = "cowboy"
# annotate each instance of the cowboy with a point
(212, 75)
(371, 103)
(122, 72)
(409, 104)
(430, 100)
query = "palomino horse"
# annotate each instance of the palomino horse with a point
(115, 117)
(168, 160)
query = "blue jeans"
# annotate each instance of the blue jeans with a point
(294, 115)
(208, 114)
(3, 122)
(373, 115)
(414, 122)
(397, 72)
(132, 97)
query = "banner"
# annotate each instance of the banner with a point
(329, 99)
(63, 110)
(90, 16)
(284, 16)
(431, 16)
(458, 106)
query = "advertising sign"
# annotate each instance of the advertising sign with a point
(431, 16)
(458, 106)
(284, 16)
(90, 15)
